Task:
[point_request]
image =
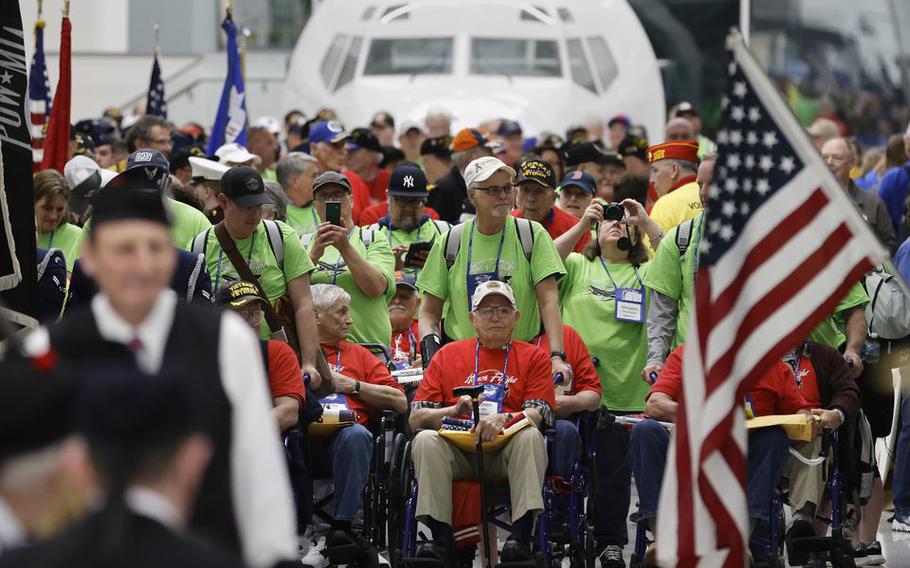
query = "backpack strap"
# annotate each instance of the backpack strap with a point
(525, 236)
(441, 226)
(683, 236)
(366, 236)
(276, 241)
(194, 277)
(199, 243)
(373, 227)
(46, 260)
(884, 278)
(306, 239)
(453, 243)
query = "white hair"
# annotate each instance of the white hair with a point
(327, 295)
(292, 166)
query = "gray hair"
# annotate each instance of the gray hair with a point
(278, 198)
(685, 165)
(465, 157)
(292, 166)
(327, 295)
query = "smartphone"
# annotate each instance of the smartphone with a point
(413, 249)
(333, 212)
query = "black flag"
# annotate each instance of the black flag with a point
(18, 255)
(155, 103)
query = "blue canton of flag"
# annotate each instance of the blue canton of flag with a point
(231, 120)
(155, 103)
(39, 95)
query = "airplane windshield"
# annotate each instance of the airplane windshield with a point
(410, 56)
(521, 57)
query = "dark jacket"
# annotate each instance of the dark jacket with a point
(449, 197)
(876, 214)
(836, 388)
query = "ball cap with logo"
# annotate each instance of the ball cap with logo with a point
(482, 168)
(329, 131)
(408, 180)
(406, 280)
(675, 150)
(243, 185)
(537, 170)
(579, 179)
(363, 139)
(489, 288)
(149, 163)
(238, 294)
(634, 147)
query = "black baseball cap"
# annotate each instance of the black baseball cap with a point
(634, 146)
(535, 169)
(244, 186)
(238, 294)
(408, 180)
(578, 178)
(439, 147)
(508, 128)
(583, 153)
(362, 138)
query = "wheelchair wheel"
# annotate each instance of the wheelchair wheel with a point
(398, 490)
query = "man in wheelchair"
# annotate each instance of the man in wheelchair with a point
(343, 446)
(517, 380)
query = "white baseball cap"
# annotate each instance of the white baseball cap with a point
(209, 170)
(492, 287)
(482, 168)
(270, 123)
(79, 169)
(234, 153)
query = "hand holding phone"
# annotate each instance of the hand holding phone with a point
(333, 212)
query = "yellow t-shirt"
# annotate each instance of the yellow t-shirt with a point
(677, 206)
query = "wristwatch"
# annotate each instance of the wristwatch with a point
(560, 354)
(843, 417)
(356, 390)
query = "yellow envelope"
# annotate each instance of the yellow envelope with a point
(797, 426)
(465, 440)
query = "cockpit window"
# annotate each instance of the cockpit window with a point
(578, 63)
(350, 63)
(520, 57)
(331, 59)
(410, 56)
(603, 61)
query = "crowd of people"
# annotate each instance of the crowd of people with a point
(556, 272)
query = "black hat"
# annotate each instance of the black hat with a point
(390, 155)
(128, 199)
(535, 169)
(634, 146)
(37, 399)
(238, 294)
(382, 119)
(583, 153)
(244, 186)
(508, 128)
(439, 147)
(180, 158)
(362, 138)
(408, 180)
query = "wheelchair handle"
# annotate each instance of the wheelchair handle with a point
(557, 378)
(652, 377)
(307, 378)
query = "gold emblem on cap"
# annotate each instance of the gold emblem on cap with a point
(657, 155)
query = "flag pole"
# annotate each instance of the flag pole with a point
(745, 19)
(157, 29)
(66, 8)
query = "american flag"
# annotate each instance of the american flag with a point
(781, 244)
(155, 104)
(39, 96)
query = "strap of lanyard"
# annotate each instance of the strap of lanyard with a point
(502, 241)
(50, 241)
(610, 276)
(249, 257)
(505, 368)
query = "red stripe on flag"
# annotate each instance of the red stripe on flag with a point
(728, 536)
(685, 509)
(56, 149)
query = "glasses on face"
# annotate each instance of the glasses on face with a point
(325, 196)
(251, 316)
(497, 191)
(409, 201)
(836, 158)
(498, 311)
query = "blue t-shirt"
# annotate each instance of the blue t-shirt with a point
(902, 260)
(893, 191)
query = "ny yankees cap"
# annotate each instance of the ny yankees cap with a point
(408, 180)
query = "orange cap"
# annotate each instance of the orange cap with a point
(674, 150)
(468, 138)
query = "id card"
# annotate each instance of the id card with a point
(630, 305)
(475, 280)
(493, 396)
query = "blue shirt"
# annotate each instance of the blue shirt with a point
(868, 181)
(893, 191)
(902, 260)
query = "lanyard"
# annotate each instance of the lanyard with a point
(313, 214)
(610, 276)
(502, 240)
(505, 368)
(249, 257)
(50, 241)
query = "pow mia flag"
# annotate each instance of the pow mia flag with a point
(18, 265)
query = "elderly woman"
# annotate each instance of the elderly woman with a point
(277, 207)
(363, 388)
(54, 230)
(602, 296)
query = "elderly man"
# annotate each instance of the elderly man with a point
(295, 173)
(687, 110)
(679, 129)
(634, 152)
(150, 132)
(328, 141)
(674, 166)
(363, 389)
(364, 153)
(449, 197)
(403, 306)
(492, 246)
(263, 143)
(537, 199)
(516, 379)
(840, 159)
(576, 192)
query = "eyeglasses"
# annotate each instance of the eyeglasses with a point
(498, 311)
(251, 316)
(409, 201)
(497, 191)
(324, 196)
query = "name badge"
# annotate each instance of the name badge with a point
(475, 280)
(630, 305)
(493, 396)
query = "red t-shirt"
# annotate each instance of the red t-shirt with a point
(579, 359)
(558, 222)
(528, 374)
(284, 372)
(774, 392)
(378, 185)
(404, 343)
(377, 211)
(359, 364)
(361, 194)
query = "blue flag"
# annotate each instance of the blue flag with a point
(231, 120)
(155, 103)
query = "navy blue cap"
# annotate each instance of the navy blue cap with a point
(128, 197)
(244, 186)
(151, 163)
(362, 138)
(508, 128)
(408, 180)
(580, 179)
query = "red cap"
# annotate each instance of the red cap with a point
(674, 150)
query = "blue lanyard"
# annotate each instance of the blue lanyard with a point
(50, 241)
(315, 217)
(249, 257)
(610, 276)
(502, 240)
(505, 368)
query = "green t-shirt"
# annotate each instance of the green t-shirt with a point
(675, 279)
(186, 223)
(425, 232)
(261, 259)
(304, 220)
(451, 285)
(371, 315)
(831, 330)
(68, 238)
(586, 299)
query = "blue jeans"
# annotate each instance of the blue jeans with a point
(767, 455)
(350, 452)
(565, 452)
(901, 480)
(612, 486)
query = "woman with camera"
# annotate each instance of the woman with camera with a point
(604, 298)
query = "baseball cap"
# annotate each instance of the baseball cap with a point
(685, 107)
(180, 158)
(236, 154)
(436, 147)
(634, 146)
(83, 175)
(243, 185)
(408, 180)
(270, 123)
(584, 152)
(536, 169)
(405, 279)
(238, 294)
(208, 170)
(620, 119)
(482, 168)
(508, 128)
(468, 138)
(491, 287)
(151, 163)
(362, 138)
(580, 179)
(329, 178)
(330, 131)
(409, 125)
